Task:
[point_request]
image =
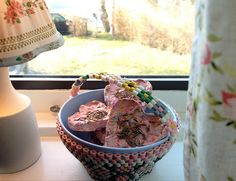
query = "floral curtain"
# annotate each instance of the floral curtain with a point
(210, 139)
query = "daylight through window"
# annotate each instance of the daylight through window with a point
(127, 37)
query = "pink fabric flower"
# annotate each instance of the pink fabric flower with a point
(28, 55)
(30, 11)
(226, 96)
(207, 56)
(14, 11)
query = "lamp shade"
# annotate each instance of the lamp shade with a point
(26, 30)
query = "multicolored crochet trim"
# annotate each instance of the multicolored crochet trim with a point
(154, 105)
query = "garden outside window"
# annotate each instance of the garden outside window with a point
(148, 39)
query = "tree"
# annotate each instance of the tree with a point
(104, 17)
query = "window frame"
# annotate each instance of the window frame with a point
(43, 82)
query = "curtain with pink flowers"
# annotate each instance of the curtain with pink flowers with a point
(210, 139)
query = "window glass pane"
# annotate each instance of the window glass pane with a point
(127, 37)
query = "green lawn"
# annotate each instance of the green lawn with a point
(102, 53)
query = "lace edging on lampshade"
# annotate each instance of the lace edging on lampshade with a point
(26, 31)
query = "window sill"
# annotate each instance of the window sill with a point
(56, 163)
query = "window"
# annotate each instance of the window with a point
(136, 37)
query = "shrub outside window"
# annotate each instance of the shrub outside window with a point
(135, 37)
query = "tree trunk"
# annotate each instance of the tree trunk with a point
(104, 17)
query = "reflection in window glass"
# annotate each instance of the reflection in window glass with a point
(134, 37)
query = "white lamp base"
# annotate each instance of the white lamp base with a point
(19, 141)
(19, 134)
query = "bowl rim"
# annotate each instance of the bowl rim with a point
(107, 148)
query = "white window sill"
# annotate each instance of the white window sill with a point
(57, 164)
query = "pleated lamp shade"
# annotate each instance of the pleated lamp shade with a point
(26, 30)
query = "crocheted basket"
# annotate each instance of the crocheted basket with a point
(110, 163)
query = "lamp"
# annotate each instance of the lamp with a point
(26, 30)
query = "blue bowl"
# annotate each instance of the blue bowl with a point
(80, 145)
